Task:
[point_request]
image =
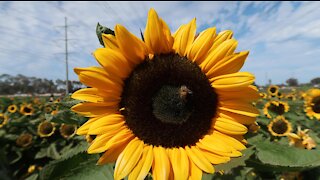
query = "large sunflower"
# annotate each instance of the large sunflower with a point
(173, 103)
(312, 103)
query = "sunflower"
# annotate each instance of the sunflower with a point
(172, 103)
(24, 140)
(275, 108)
(291, 96)
(46, 129)
(3, 119)
(301, 139)
(12, 108)
(26, 109)
(279, 126)
(312, 103)
(47, 109)
(279, 95)
(273, 90)
(67, 131)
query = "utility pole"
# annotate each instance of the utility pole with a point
(66, 42)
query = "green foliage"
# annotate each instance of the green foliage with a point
(284, 157)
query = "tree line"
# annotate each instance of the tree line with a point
(21, 84)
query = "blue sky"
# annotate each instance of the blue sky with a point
(283, 37)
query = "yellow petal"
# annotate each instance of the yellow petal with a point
(98, 78)
(225, 49)
(230, 140)
(109, 140)
(183, 40)
(83, 130)
(240, 108)
(246, 94)
(214, 145)
(156, 34)
(94, 95)
(98, 144)
(214, 158)
(113, 62)
(131, 47)
(229, 64)
(142, 168)
(221, 37)
(195, 173)
(243, 119)
(161, 164)
(88, 94)
(201, 45)
(112, 154)
(229, 127)
(199, 159)
(107, 123)
(178, 31)
(110, 41)
(230, 81)
(94, 109)
(128, 159)
(180, 163)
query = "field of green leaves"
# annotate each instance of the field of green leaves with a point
(38, 140)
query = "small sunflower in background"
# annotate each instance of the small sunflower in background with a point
(173, 104)
(279, 126)
(279, 95)
(275, 108)
(3, 119)
(26, 109)
(68, 131)
(24, 140)
(12, 108)
(301, 139)
(47, 109)
(273, 90)
(312, 103)
(291, 96)
(46, 129)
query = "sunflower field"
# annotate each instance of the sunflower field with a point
(163, 106)
(39, 141)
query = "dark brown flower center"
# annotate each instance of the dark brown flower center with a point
(46, 128)
(280, 109)
(279, 127)
(27, 110)
(316, 104)
(273, 90)
(67, 130)
(168, 101)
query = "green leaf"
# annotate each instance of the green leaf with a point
(284, 157)
(102, 30)
(81, 166)
(32, 177)
(235, 162)
(52, 152)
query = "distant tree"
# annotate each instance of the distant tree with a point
(292, 82)
(315, 81)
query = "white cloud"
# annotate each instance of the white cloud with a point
(278, 35)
